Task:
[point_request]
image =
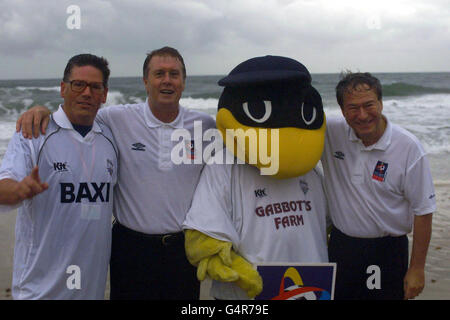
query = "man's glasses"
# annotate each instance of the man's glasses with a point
(80, 85)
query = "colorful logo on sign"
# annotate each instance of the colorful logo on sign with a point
(306, 282)
(379, 173)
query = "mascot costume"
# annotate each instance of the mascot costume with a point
(268, 205)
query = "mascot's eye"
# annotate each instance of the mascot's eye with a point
(264, 117)
(309, 114)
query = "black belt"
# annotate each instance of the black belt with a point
(164, 239)
(377, 240)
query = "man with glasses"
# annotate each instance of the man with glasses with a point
(63, 233)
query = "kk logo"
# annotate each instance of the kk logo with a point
(259, 193)
(60, 166)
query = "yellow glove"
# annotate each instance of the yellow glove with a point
(249, 279)
(215, 258)
(210, 256)
(216, 269)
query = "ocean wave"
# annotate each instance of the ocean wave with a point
(21, 88)
(406, 89)
(201, 104)
(436, 149)
(7, 129)
(117, 97)
(213, 94)
(7, 113)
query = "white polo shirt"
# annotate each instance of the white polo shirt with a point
(266, 219)
(63, 235)
(154, 193)
(375, 191)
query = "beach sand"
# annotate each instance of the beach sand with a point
(437, 270)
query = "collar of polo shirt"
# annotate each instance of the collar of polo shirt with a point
(61, 120)
(153, 122)
(381, 144)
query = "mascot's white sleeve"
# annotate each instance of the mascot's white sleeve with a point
(211, 208)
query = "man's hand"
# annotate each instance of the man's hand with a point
(413, 282)
(32, 120)
(30, 186)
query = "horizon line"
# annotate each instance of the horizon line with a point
(222, 75)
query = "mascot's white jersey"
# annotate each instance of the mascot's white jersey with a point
(63, 235)
(266, 219)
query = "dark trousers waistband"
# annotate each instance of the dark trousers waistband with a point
(165, 239)
(387, 239)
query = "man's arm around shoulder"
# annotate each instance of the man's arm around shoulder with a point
(33, 121)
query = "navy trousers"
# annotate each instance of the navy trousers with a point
(150, 267)
(368, 269)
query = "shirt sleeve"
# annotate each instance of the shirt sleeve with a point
(17, 162)
(102, 116)
(319, 171)
(419, 188)
(211, 209)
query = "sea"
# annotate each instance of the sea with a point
(419, 102)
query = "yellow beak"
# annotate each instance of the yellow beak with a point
(279, 152)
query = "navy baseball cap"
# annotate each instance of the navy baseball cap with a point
(264, 69)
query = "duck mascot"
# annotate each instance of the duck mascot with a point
(268, 203)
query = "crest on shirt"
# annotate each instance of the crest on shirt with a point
(110, 166)
(190, 149)
(304, 186)
(380, 171)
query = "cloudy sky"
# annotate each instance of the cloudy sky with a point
(38, 37)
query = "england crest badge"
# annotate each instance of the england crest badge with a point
(380, 171)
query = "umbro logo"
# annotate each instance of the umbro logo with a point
(339, 155)
(259, 193)
(138, 146)
(60, 166)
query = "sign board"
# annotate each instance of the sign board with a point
(297, 281)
